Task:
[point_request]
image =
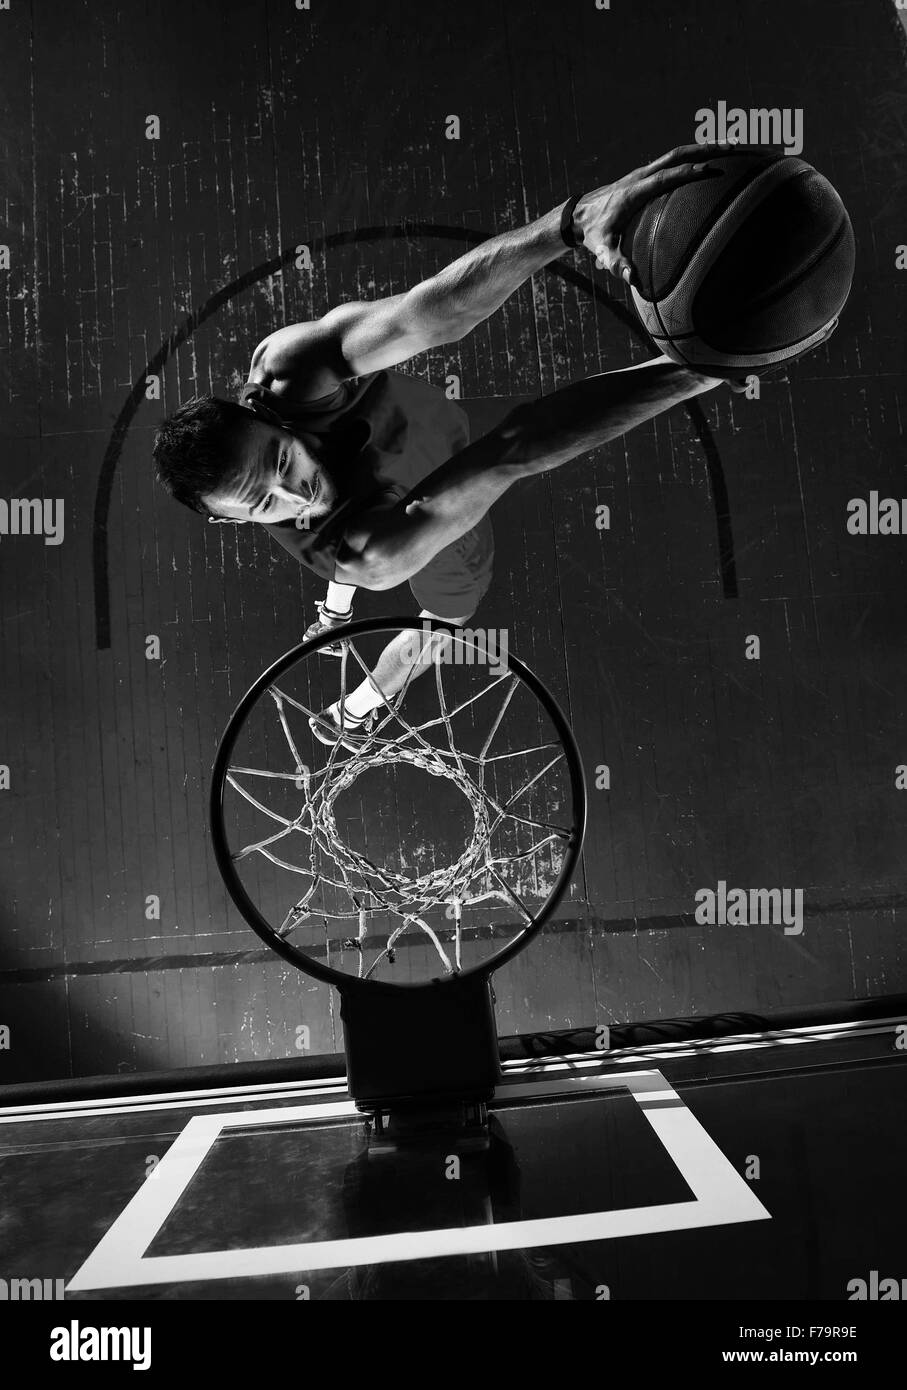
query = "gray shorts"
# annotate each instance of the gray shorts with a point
(453, 584)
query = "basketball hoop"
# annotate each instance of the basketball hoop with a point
(489, 731)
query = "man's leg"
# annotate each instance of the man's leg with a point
(411, 651)
(457, 578)
(411, 648)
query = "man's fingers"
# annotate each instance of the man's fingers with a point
(602, 248)
(695, 154)
(608, 256)
(682, 154)
(623, 270)
(616, 265)
(607, 211)
(653, 185)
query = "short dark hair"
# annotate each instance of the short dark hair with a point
(192, 449)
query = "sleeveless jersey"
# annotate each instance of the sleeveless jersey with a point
(380, 436)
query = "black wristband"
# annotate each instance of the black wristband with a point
(567, 234)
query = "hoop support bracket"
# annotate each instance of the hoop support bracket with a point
(422, 1045)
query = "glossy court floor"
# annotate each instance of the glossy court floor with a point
(756, 1166)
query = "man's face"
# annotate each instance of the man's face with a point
(277, 478)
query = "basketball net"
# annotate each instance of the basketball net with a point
(345, 886)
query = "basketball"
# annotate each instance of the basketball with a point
(746, 271)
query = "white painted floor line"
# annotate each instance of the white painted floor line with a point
(119, 1260)
(172, 1100)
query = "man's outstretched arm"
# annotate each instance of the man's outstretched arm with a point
(353, 339)
(383, 550)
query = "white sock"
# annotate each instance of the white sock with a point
(350, 713)
(361, 701)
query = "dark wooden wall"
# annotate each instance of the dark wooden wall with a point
(280, 127)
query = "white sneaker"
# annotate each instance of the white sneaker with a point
(352, 733)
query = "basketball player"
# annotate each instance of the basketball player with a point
(367, 476)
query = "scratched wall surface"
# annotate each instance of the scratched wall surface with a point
(327, 126)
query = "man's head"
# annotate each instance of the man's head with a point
(226, 463)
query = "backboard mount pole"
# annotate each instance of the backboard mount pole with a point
(414, 1046)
